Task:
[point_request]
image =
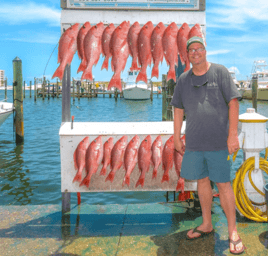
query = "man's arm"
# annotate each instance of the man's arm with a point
(232, 141)
(178, 120)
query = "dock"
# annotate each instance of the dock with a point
(132, 229)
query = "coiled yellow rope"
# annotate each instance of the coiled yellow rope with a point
(243, 203)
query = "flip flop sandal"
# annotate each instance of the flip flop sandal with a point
(202, 234)
(235, 243)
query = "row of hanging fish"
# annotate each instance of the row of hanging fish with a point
(90, 156)
(146, 45)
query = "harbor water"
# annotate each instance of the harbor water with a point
(30, 174)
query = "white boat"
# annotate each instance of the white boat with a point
(241, 90)
(260, 71)
(135, 91)
(6, 109)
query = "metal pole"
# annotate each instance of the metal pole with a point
(18, 99)
(66, 117)
(255, 91)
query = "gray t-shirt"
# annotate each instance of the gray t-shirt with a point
(205, 102)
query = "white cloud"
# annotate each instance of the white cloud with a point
(209, 53)
(29, 13)
(235, 13)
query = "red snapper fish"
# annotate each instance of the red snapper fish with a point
(107, 150)
(132, 39)
(106, 38)
(170, 48)
(196, 30)
(67, 49)
(182, 39)
(167, 161)
(120, 51)
(93, 159)
(177, 162)
(93, 49)
(157, 150)
(144, 159)
(117, 157)
(131, 158)
(80, 158)
(80, 45)
(157, 47)
(144, 49)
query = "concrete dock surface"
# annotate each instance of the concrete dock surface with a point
(121, 230)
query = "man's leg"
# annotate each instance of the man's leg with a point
(205, 196)
(227, 200)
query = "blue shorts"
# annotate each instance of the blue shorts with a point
(201, 164)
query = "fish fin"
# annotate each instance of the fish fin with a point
(115, 82)
(110, 177)
(171, 75)
(142, 76)
(78, 177)
(154, 173)
(105, 63)
(182, 60)
(155, 71)
(85, 181)
(180, 185)
(165, 177)
(187, 62)
(82, 66)
(87, 74)
(126, 180)
(59, 72)
(103, 171)
(140, 182)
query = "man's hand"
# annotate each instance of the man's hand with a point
(232, 143)
(179, 146)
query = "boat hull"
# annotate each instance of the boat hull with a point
(6, 109)
(262, 94)
(136, 93)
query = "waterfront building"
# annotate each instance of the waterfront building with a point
(2, 78)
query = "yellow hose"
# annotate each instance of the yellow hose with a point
(243, 203)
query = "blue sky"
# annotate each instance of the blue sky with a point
(236, 34)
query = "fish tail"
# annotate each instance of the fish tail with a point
(78, 177)
(105, 63)
(155, 71)
(140, 182)
(142, 76)
(103, 171)
(82, 66)
(183, 196)
(134, 65)
(110, 177)
(87, 74)
(85, 181)
(171, 75)
(115, 82)
(154, 173)
(126, 180)
(180, 185)
(59, 72)
(165, 177)
(187, 66)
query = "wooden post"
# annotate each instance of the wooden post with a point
(73, 91)
(255, 92)
(6, 88)
(78, 90)
(164, 94)
(57, 88)
(48, 89)
(35, 89)
(53, 91)
(24, 90)
(18, 99)
(43, 88)
(30, 89)
(152, 89)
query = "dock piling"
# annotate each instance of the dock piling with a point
(254, 92)
(18, 99)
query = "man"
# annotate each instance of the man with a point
(208, 97)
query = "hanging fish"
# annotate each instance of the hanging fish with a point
(66, 50)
